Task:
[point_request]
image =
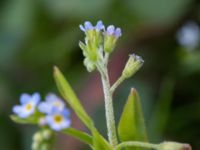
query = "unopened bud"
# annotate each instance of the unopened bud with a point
(45, 146)
(174, 146)
(47, 134)
(35, 146)
(37, 137)
(89, 65)
(132, 66)
(42, 121)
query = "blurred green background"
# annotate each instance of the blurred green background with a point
(35, 35)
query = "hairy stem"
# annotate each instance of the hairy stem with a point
(137, 144)
(110, 120)
(117, 83)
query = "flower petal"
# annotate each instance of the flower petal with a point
(44, 107)
(110, 30)
(99, 26)
(35, 98)
(88, 25)
(118, 32)
(17, 109)
(24, 98)
(82, 28)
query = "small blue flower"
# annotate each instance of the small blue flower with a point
(189, 35)
(88, 26)
(111, 36)
(99, 26)
(28, 105)
(112, 31)
(58, 120)
(51, 102)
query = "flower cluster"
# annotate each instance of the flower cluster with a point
(98, 40)
(52, 112)
(43, 140)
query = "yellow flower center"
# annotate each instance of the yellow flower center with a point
(58, 118)
(29, 107)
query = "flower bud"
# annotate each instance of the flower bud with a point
(45, 146)
(89, 65)
(174, 146)
(37, 137)
(35, 146)
(47, 134)
(43, 140)
(132, 66)
(111, 36)
(42, 121)
(37, 140)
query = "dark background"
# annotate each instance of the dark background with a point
(35, 35)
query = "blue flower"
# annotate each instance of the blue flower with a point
(99, 26)
(28, 105)
(58, 120)
(111, 36)
(112, 31)
(51, 102)
(189, 35)
(88, 26)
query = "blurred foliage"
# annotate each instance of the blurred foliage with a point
(37, 34)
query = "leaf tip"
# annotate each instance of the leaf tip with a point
(133, 91)
(56, 70)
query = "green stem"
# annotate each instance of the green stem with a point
(137, 144)
(110, 120)
(117, 83)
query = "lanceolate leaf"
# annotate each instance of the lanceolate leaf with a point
(69, 95)
(131, 125)
(99, 143)
(82, 136)
(29, 120)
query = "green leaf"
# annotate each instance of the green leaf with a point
(82, 136)
(99, 143)
(29, 120)
(131, 125)
(69, 95)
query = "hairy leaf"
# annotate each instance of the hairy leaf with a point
(69, 95)
(131, 125)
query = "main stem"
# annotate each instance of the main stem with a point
(137, 144)
(110, 119)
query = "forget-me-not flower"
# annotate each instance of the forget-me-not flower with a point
(58, 120)
(88, 26)
(111, 36)
(189, 35)
(112, 31)
(51, 102)
(28, 105)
